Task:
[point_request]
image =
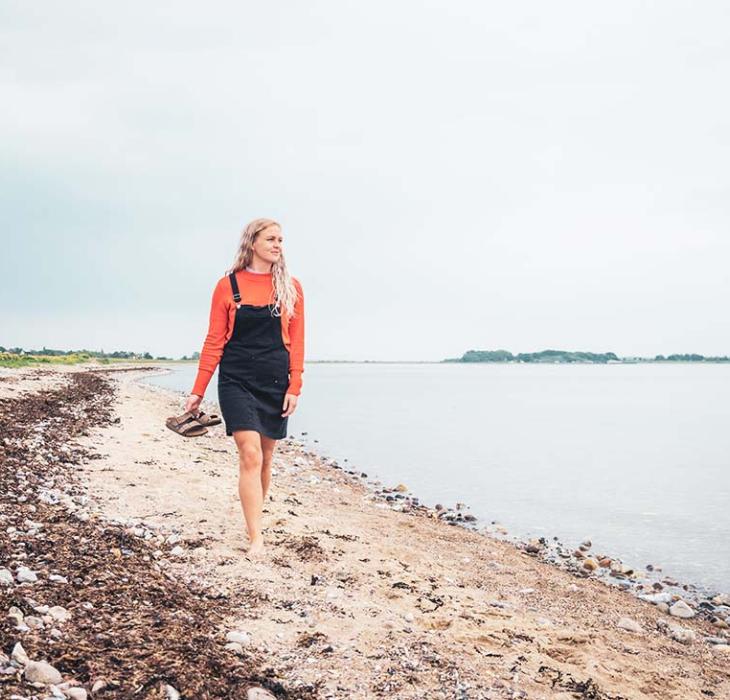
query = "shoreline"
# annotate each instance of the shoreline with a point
(648, 580)
(363, 598)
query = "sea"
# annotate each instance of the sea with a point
(634, 457)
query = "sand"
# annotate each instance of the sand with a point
(362, 600)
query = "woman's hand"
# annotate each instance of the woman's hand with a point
(192, 405)
(290, 404)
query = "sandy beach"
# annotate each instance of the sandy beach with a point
(137, 534)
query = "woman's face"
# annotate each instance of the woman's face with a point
(268, 244)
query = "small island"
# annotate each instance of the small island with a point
(570, 356)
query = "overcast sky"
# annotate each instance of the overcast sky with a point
(449, 175)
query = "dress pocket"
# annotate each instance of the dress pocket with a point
(273, 373)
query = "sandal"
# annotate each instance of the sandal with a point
(209, 419)
(186, 425)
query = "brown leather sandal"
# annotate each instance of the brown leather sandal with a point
(186, 425)
(209, 419)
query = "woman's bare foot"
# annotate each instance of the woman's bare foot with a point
(256, 548)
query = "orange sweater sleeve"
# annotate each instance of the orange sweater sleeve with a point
(212, 350)
(296, 340)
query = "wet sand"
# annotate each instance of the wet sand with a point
(354, 599)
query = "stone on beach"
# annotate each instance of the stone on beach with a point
(42, 672)
(681, 634)
(681, 609)
(6, 577)
(76, 693)
(259, 694)
(59, 614)
(25, 575)
(657, 598)
(626, 623)
(18, 654)
(239, 636)
(34, 622)
(16, 614)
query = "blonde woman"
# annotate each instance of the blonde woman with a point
(256, 338)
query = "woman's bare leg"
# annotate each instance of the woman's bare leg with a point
(267, 447)
(250, 490)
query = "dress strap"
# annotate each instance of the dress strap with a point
(234, 286)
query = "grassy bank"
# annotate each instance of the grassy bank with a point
(10, 359)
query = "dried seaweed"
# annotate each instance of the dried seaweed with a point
(132, 624)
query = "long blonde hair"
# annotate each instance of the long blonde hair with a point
(285, 293)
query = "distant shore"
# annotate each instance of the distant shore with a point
(365, 593)
(17, 357)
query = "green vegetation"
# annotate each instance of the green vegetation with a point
(18, 357)
(11, 359)
(566, 356)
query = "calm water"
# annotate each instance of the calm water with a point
(635, 457)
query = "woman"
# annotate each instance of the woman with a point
(256, 333)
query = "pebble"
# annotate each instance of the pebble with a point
(235, 647)
(18, 654)
(177, 551)
(35, 623)
(681, 609)
(239, 636)
(6, 578)
(590, 564)
(98, 685)
(682, 634)
(722, 647)
(171, 693)
(76, 693)
(25, 575)
(259, 694)
(626, 623)
(657, 598)
(59, 614)
(16, 614)
(409, 617)
(717, 622)
(42, 672)
(401, 488)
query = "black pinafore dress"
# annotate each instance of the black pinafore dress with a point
(253, 374)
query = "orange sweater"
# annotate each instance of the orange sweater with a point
(256, 289)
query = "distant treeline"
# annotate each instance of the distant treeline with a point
(116, 355)
(561, 356)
